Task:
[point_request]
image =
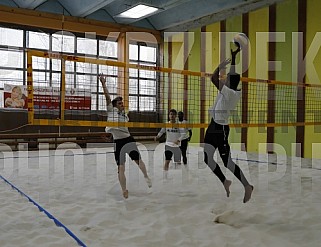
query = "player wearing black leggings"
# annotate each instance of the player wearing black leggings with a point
(216, 136)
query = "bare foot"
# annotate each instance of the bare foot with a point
(149, 182)
(125, 194)
(227, 184)
(248, 192)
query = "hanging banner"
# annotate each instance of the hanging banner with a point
(47, 98)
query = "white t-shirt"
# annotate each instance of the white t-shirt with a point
(114, 115)
(172, 135)
(226, 102)
(185, 130)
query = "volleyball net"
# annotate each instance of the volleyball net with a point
(64, 90)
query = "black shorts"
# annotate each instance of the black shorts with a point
(126, 146)
(169, 151)
(216, 136)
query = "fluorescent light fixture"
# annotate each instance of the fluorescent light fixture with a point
(138, 11)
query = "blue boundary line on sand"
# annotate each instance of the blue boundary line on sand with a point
(67, 155)
(50, 216)
(258, 161)
(272, 163)
(111, 152)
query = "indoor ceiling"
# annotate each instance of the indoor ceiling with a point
(173, 15)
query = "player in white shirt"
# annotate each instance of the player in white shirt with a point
(218, 131)
(124, 142)
(187, 136)
(174, 136)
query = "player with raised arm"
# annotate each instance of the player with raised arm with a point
(124, 142)
(218, 130)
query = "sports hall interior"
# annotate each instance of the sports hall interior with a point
(52, 44)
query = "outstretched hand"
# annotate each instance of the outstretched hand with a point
(223, 64)
(102, 78)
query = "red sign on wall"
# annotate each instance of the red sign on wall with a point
(15, 96)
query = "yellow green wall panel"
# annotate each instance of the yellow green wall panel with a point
(212, 59)
(212, 53)
(312, 134)
(194, 64)
(234, 24)
(258, 22)
(286, 23)
(178, 51)
(177, 63)
(212, 46)
(164, 80)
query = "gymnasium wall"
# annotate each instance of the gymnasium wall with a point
(287, 19)
(234, 25)
(312, 135)
(258, 22)
(194, 64)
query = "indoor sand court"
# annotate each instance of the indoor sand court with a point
(59, 184)
(79, 188)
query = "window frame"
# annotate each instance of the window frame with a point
(138, 95)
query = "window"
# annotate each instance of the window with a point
(12, 58)
(63, 42)
(11, 37)
(142, 83)
(107, 49)
(148, 54)
(10, 77)
(47, 71)
(86, 46)
(38, 40)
